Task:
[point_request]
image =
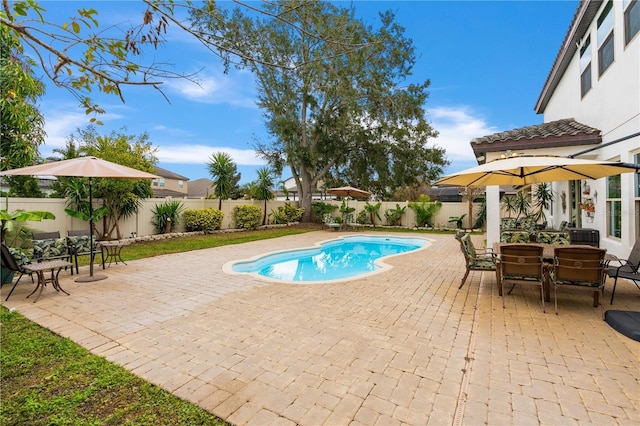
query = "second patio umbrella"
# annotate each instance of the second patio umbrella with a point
(348, 191)
(82, 167)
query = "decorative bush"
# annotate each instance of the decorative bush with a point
(206, 220)
(247, 216)
(286, 214)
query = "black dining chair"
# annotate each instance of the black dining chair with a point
(629, 269)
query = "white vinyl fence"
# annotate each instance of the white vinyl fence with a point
(140, 224)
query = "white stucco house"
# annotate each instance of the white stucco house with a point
(591, 108)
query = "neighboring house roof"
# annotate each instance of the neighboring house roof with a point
(567, 132)
(169, 175)
(164, 193)
(585, 14)
(200, 188)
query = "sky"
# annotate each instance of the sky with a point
(487, 62)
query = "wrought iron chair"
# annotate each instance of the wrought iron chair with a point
(330, 222)
(9, 262)
(475, 259)
(629, 269)
(521, 264)
(79, 243)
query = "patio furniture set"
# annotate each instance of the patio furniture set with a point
(52, 253)
(555, 263)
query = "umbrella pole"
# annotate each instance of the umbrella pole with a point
(91, 277)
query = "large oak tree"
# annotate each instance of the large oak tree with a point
(342, 111)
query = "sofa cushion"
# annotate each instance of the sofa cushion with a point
(51, 248)
(81, 244)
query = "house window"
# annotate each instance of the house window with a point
(605, 38)
(585, 67)
(180, 184)
(631, 19)
(614, 207)
(158, 182)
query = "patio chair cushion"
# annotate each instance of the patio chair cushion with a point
(515, 237)
(528, 224)
(21, 256)
(508, 223)
(81, 243)
(545, 237)
(50, 248)
(624, 322)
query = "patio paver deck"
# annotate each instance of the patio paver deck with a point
(401, 347)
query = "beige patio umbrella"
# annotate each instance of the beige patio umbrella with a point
(82, 167)
(348, 191)
(530, 169)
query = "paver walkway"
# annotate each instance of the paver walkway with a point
(401, 347)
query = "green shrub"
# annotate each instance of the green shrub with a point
(319, 209)
(286, 214)
(206, 220)
(363, 218)
(168, 210)
(247, 216)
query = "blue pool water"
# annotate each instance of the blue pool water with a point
(333, 260)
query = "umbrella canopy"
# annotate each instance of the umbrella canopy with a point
(82, 167)
(348, 191)
(527, 170)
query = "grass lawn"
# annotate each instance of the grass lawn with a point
(49, 380)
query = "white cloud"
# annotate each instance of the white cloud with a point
(235, 89)
(62, 119)
(199, 154)
(457, 126)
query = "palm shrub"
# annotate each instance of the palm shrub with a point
(247, 216)
(374, 211)
(170, 209)
(287, 214)
(424, 209)
(543, 196)
(481, 215)
(394, 216)
(206, 220)
(509, 204)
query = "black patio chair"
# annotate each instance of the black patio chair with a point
(629, 269)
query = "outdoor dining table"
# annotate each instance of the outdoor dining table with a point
(548, 253)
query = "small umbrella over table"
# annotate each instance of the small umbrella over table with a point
(348, 191)
(89, 167)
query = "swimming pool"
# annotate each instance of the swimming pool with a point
(333, 260)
